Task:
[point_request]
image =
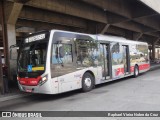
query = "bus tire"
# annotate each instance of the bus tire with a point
(87, 82)
(136, 71)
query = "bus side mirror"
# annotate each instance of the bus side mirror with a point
(13, 52)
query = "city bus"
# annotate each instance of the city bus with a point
(55, 61)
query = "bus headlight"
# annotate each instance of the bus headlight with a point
(43, 80)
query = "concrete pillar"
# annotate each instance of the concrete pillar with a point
(1, 76)
(3, 80)
(11, 37)
(16, 9)
(153, 51)
(11, 33)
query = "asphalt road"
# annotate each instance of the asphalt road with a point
(129, 94)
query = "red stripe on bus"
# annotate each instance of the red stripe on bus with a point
(120, 71)
(141, 67)
(144, 66)
(29, 81)
(132, 68)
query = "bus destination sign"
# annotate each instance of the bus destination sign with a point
(35, 38)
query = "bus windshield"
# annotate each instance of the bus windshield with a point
(32, 56)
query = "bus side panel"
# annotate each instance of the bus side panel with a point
(70, 81)
(54, 85)
(118, 71)
(98, 77)
(132, 68)
(143, 67)
(139, 56)
(73, 81)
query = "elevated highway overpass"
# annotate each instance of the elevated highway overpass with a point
(133, 19)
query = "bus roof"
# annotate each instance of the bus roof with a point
(118, 39)
(106, 37)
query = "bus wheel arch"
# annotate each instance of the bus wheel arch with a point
(88, 81)
(136, 70)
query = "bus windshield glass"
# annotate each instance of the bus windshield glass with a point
(32, 56)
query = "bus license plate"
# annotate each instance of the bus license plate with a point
(28, 90)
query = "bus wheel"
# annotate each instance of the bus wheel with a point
(136, 71)
(87, 82)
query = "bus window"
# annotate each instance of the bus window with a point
(139, 53)
(62, 53)
(143, 53)
(117, 57)
(33, 54)
(86, 53)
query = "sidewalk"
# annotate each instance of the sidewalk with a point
(15, 93)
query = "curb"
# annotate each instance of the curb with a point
(154, 67)
(2, 99)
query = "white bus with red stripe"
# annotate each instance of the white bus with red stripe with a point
(55, 61)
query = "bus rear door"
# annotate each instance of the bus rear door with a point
(106, 60)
